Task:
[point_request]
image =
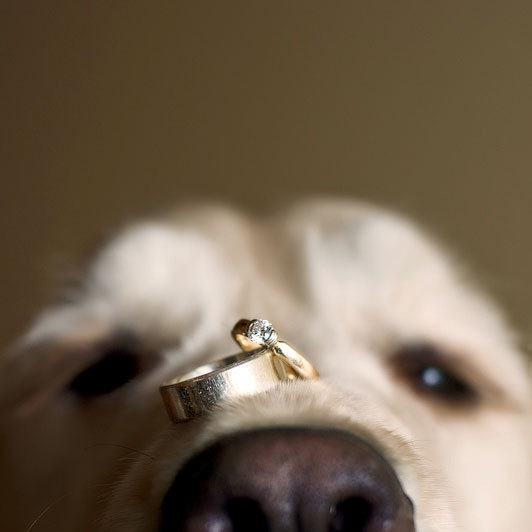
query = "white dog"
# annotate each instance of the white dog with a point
(421, 419)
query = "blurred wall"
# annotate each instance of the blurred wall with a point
(114, 109)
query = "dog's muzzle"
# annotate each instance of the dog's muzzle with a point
(287, 480)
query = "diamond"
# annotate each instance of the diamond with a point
(260, 332)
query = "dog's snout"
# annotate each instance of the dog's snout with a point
(284, 480)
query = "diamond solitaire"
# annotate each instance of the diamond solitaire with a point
(261, 332)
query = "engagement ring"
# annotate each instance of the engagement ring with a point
(264, 362)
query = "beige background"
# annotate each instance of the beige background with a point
(114, 109)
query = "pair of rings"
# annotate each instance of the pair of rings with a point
(263, 363)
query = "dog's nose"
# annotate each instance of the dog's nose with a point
(287, 480)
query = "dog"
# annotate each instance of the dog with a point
(421, 419)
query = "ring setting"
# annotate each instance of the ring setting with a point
(261, 332)
(263, 363)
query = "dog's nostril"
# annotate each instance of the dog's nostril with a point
(351, 515)
(246, 514)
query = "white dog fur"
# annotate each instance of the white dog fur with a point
(346, 284)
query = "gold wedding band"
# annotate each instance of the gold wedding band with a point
(264, 362)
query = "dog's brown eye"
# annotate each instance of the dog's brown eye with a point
(114, 369)
(428, 373)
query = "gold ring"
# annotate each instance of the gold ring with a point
(264, 362)
(253, 334)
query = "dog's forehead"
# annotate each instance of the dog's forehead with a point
(321, 256)
(369, 248)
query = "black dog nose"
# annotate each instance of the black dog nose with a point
(287, 480)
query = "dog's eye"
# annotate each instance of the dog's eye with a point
(113, 370)
(429, 373)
